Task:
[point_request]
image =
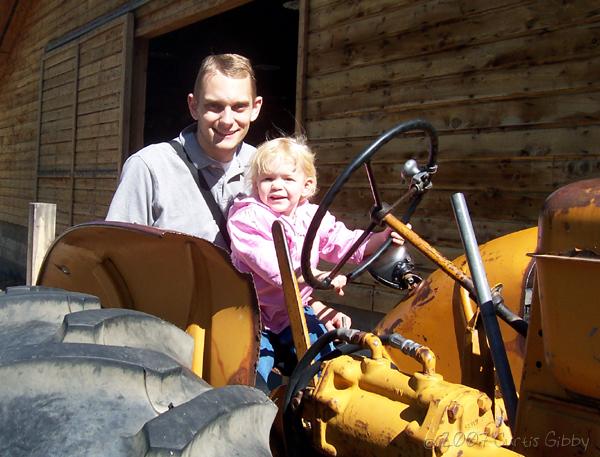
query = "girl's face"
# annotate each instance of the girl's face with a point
(283, 187)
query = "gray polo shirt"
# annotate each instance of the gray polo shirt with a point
(156, 188)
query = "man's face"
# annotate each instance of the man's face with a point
(224, 109)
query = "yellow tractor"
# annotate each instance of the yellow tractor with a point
(496, 353)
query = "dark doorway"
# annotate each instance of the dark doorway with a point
(266, 31)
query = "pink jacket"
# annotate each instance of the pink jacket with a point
(253, 251)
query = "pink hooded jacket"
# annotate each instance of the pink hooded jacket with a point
(252, 251)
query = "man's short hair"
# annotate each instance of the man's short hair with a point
(231, 65)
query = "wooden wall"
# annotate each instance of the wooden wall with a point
(64, 125)
(513, 88)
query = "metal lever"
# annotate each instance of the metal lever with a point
(486, 306)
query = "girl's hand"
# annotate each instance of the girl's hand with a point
(330, 318)
(396, 238)
(339, 320)
(338, 283)
(377, 239)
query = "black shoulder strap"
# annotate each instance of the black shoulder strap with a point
(215, 210)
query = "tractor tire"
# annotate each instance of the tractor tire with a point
(81, 380)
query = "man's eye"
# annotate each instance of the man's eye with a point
(215, 107)
(240, 107)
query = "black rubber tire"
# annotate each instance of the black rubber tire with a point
(80, 380)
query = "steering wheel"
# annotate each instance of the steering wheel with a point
(420, 182)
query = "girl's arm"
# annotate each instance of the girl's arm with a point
(330, 317)
(252, 243)
(336, 239)
(377, 239)
(338, 283)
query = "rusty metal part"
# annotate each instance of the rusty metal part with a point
(361, 406)
(560, 394)
(291, 293)
(568, 221)
(570, 303)
(430, 252)
(568, 267)
(420, 353)
(552, 421)
(441, 314)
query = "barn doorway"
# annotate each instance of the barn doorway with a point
(264, 31)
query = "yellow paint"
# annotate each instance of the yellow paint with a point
(363, 406)
(198, 334)
(440, 314)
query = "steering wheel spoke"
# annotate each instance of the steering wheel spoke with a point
(420, 182)
(359, 241)
(373, 184)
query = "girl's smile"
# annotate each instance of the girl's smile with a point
(284, 187)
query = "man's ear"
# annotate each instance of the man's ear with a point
(193, 106)
(256, 105)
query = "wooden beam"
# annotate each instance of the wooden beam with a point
(41, 233)
(291, 293)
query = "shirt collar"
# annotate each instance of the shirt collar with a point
(200, 159)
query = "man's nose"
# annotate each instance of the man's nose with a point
(227, 115)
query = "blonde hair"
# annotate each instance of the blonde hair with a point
(231, 65)
(269, 153)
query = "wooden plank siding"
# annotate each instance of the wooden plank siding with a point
(512, 87)
(83, 89)
(102, 129)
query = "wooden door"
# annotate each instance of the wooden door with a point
(84, 121)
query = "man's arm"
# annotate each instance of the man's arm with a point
(133, 199)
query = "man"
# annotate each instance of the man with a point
(162, 184)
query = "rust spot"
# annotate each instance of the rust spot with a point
(361, 425)
(423, 294)
(575, 195)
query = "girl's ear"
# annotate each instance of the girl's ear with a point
(310, 186)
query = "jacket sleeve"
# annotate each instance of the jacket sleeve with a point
(252, 243)
(335, 239)
(133, 199)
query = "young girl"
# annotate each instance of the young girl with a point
(282, 175)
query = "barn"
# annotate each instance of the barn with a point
(512, 87)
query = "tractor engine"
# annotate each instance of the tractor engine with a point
(364, 406)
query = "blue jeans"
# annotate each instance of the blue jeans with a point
(278, 348)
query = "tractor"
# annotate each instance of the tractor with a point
(143, 342)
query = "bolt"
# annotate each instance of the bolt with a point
(296, 400)
(306, 425)
(484, 404)
(491, 430)
(454, 411)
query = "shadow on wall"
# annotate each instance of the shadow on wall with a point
(361, 319)
(13, 254)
